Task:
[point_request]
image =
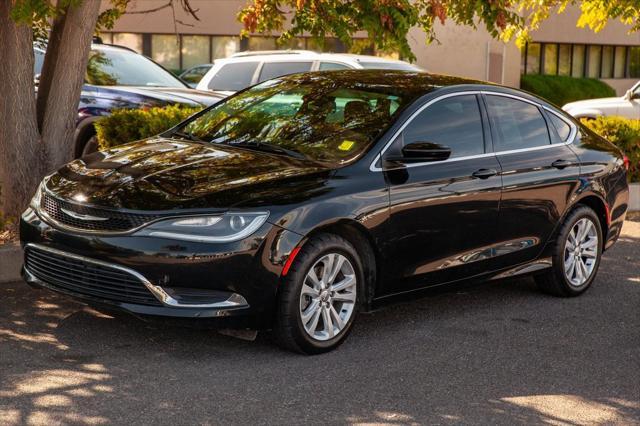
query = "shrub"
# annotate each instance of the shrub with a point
(560, 90)
(127, 125)
(625, 134)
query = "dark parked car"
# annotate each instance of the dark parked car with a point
(117, 77)
(296, 203)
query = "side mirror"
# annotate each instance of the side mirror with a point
(36, 80)
(421, 152)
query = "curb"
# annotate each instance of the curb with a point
(10, 263)
(634, 197)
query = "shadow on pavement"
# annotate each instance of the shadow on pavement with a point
(499, 353)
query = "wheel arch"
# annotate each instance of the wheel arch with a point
(599, 206)
(84, 131)
(354, 232)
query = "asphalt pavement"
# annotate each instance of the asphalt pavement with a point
(498, 353)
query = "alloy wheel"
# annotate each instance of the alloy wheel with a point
(581, 252)
(328, 296)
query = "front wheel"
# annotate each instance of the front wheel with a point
(576, 256)
(318, 302)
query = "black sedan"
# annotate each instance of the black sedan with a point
(297, 203)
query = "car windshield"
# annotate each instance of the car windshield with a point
(321, 119)
(119, 67)
(399, 66)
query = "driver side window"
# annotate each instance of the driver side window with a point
(453, 122)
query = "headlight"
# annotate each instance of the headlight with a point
(37, 198)
(223, 228)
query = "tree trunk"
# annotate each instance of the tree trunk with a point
(62, 78)
(21, 160)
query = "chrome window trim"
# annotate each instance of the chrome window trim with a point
(234, 301)
(574, 131)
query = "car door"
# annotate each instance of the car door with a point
(540, 173)
(443, 214)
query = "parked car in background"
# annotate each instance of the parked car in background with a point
(244, 69)
(193, 75)
(118, 77)
(627, 106)
(303, 200)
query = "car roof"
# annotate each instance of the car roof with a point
(307, 55)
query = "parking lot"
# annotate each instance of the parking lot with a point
(500, 353)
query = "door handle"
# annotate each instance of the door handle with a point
(561, 164)
(484, 173)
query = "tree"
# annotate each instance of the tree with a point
(387, 22)
(37, 131)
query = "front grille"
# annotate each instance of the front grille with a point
(87, 278)
(115, 221)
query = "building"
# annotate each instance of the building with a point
(612, 55)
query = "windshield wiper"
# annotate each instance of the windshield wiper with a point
(186, 135)
(276, 149)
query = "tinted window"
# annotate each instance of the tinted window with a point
(330, 121)
(561, 126)
(453, 122)
(324, 66)
(119, 67)
(234, 76)
(517, 124)
(276, 69)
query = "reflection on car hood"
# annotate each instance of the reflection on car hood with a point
(164, 174)
(166, 94)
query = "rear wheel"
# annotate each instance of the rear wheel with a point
(318, 302)
(576, 256)
(90, 146)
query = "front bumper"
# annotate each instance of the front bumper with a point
(230, 285)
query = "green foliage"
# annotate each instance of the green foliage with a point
(127, 125)
(387, 22)
(560, 90)
(625, 134)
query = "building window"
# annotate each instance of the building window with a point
(593, 61)
(579, 60)
(130, 40)
(532, 59)
(564, 59)
(619, 62)
(165, 50)
(607, 62)
(195, 51)
(262, 43)
(634, 62)
(551, 59)
(223, 46)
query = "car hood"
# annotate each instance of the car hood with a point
(160, 174)
(594, 103)
(165, 94)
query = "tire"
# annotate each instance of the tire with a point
(563, 279)
(301, 320)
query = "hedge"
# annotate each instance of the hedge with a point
(127, 125)
(625, 134)
(560, 90)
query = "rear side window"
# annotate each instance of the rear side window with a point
(233, 76)
(325, 66)
(276, 69)
(561, 126)
(517, 124)
(453, 122)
